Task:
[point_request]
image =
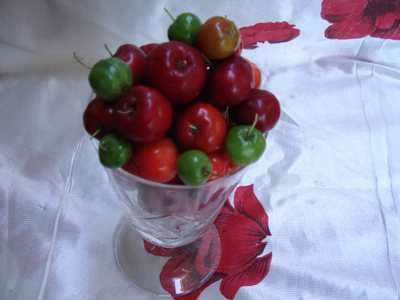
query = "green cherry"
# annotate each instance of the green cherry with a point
(114, 151)
(244, 144)
(184, 28)
(110, 78)
(194, 167)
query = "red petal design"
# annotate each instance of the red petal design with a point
(347, 29)
(178, 274)
(242, 231)
(185, 271)
(195, 294)
(342, 8)
(209, 253)
(251, 276)
(161, 251)
(267, 32)
(246, 203)
(357, 19)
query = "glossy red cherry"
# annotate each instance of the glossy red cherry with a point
(231, 82)
(135, 58)
(143, 114)
(98, 118)
(201, 126)
(261, 102)
(176, 70)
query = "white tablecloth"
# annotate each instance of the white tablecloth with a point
(329, 181)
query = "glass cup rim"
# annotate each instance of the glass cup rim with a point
(163, 185)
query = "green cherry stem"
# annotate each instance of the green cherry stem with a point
(103, 148)
(173, 19)
(208, 61)
(108, 50)
(131, 110)
(206, 172)
(252, 127)
(229, 30)
(126, 112)
(195, 129)
(181, 64)
(94, 134)
(79, 60)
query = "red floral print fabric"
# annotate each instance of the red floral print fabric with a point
(360, 18)
(267, 32)
(243, 229)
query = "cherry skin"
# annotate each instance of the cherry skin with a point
(146, 48)
(184, 28)
(256, 75)
(230, 83)
(218, 38)
(244, 145)
(201, 126)
(220, 166)
(231, 166)
(135, 58)
(176, 70)
(156, 161)
(130, 167)
(261, 102)
(110, 78)
(194, 167)
(98, 118)
(114, 151)
(143, 114)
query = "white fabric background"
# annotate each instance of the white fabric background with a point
(329, 180)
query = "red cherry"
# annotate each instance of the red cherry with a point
(135, 58)
(156, 161)
(147, 48)
(201, 126)
(143, 114)
(176, 70)
(98, 118)
(220, 166)
(231, 82)
(260, 102)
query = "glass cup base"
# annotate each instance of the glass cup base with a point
(141, 268)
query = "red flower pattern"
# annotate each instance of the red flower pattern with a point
(242, 230)
(360, 18)
(267, 32)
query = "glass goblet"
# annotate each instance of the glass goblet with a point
(167, 216)
(170, 217)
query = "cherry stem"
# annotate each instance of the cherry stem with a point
(252, 126)
(208, 61)
(181, 64)
(94, 134)
(104, 148)
(169, 14)
(108, 50)
(131, 110)
(206, 172)
(229, 30)
(126, 112)
(194, 128)
(79, 60)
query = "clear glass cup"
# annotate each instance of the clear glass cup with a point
(171, 215)
(167, 216)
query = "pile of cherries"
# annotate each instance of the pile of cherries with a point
(186, 111)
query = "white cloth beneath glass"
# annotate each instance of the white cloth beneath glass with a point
(329, 180)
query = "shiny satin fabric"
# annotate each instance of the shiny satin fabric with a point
(329, 181)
